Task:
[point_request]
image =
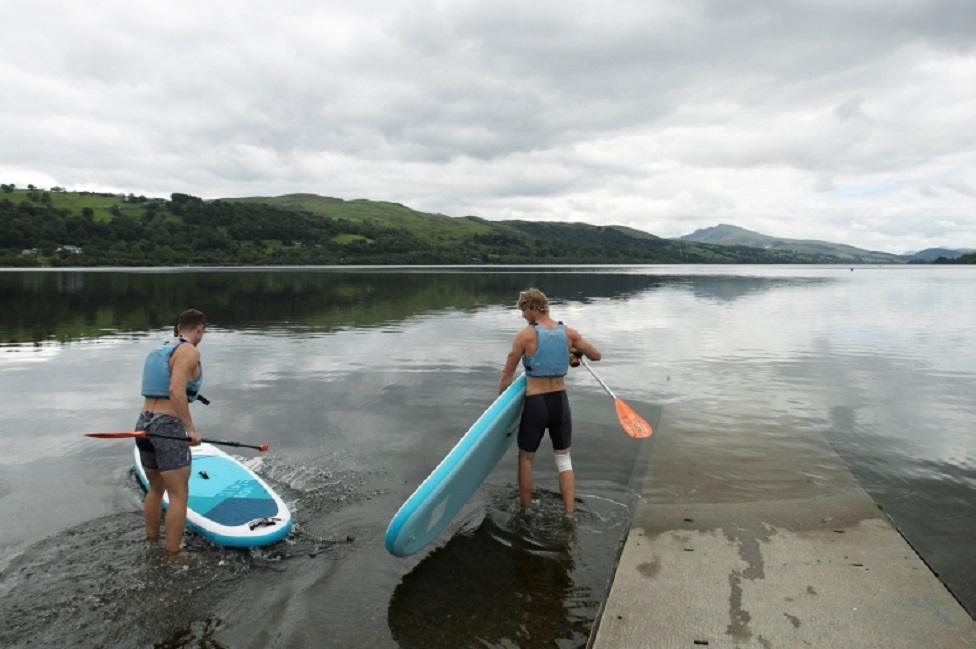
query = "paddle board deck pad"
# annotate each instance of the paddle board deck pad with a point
(441, 495)
(229, 504)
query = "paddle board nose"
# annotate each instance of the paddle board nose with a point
(432, 506)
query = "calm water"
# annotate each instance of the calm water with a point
(361, 379)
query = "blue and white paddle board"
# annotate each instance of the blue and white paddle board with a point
(443, 493)
(229, 504)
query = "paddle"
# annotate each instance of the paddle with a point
(632, 423)
(142, 433)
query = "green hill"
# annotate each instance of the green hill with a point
(62, 228)
(731, 235)
(434, 228)
(522, 241)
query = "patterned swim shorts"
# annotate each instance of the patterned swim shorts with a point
(157, 452)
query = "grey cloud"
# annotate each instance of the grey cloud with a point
(962, 187)
(701, 108)
(850, 109)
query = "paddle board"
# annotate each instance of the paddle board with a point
(441, 495)
(229, 504)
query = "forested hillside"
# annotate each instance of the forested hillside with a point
(60, 228)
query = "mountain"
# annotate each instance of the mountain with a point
(62, 228)
(731, 235)
(479, 240)
(931, 254)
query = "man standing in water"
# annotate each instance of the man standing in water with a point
(171, 379)
(547, 349)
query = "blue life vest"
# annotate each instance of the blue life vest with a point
(551, 356)
(156, 373)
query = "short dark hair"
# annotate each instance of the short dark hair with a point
(187, 319)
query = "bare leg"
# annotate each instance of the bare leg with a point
(567, 487)
(153, 503)
(525, 482)
(177, 486)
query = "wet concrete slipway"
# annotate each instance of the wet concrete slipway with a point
(707, 564)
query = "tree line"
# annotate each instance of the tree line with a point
(186, 230)
(129, 230)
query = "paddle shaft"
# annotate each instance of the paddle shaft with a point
(632, 423)
(597, 377)
(262, 447)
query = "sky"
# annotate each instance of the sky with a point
(852, 122)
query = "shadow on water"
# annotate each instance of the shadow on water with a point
(510, 582)
(528, 580)
(71, 305)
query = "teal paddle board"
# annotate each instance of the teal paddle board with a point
(441, 495)
(229, 504)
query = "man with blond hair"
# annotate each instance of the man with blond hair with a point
(547, 349)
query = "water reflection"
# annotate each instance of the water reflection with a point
(923, 481)
(72, 305)
(731, 288)
(754, 365)
(506, 583)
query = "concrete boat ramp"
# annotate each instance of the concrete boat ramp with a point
(808, 563)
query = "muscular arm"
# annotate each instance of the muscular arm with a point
(186, 358)
(513, 358)
(581, 345)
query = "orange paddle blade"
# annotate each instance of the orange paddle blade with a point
(633, 424)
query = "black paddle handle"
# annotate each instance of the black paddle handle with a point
(211, 441)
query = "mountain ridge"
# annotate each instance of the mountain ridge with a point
(728, 234)
(62, 228)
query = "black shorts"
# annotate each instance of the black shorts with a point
(159, 453)
(542, 411)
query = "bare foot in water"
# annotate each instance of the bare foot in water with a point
(177, 558)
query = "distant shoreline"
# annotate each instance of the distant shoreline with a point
(57, 228)
(411, 267)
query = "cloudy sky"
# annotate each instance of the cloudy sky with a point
(847, 121)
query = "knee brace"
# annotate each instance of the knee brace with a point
(563, 463)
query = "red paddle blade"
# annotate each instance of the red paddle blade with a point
(633, 424)
(132, 433)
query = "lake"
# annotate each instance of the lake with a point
(361, 379)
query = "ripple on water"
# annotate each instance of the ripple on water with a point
(102, 584)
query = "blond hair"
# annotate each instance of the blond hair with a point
(534, 299)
